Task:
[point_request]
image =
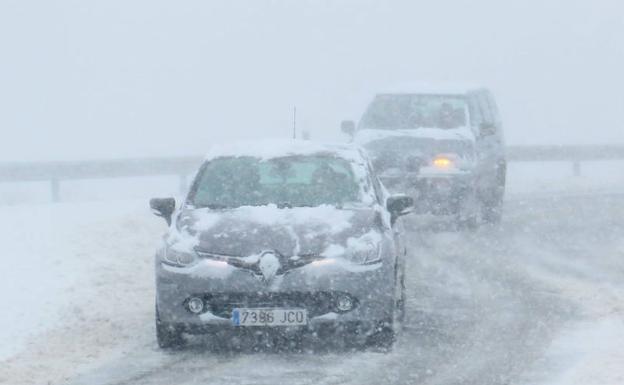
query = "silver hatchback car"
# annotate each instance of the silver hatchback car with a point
(282, 236)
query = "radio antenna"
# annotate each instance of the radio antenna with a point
(295, 122)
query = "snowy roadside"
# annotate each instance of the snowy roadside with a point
(555, 179)
(587, 270)
(76, 299)
(74, 294)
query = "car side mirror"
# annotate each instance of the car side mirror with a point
(487, 129)
(399, 205)
(348, 127)
(163, 207)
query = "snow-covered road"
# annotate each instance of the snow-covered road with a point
(539, 300)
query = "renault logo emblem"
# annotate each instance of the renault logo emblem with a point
(269, 265)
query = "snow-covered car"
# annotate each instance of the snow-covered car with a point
(444, 148)
(284, 236)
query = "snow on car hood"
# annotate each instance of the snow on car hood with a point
(247, 231)
(362, 137)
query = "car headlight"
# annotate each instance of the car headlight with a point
(365, 249)
(366, 254)
(179, 258)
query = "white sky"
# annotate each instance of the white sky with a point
(104, 79)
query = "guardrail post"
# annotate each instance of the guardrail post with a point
(55, 189)
(576, 168)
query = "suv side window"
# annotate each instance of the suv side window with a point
(488, 116)
(493, 108)
(476, 115)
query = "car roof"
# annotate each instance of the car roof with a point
(277, 148)
(431, 89)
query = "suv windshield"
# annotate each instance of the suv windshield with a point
(409, 111)
(296, 181)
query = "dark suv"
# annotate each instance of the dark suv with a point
(445, 148)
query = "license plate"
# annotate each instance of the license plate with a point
(269, 317)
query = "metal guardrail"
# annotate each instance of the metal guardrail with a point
(34, 171)
(55, 172)
(564, 153)
(574, 154)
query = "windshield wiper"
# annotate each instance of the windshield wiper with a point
(213, 206)
(280, 205)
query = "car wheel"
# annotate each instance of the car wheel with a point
(167, 335)
(385, 333)
(467, 213)
(492, 206)
(492, 211)
(492, 214)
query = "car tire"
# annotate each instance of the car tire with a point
(385, 334)
(468, 211)
(492, 213)
(492, 207)
(168, 336)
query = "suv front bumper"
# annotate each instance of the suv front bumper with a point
(433, 193)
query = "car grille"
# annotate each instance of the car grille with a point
(317, 303)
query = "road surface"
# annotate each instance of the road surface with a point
(487, 307)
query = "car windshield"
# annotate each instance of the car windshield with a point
(410, 111)
(296, 181)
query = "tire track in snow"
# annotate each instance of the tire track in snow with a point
(474, 316)
(480, 311)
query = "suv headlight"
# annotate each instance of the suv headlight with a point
(451, 162)
(445, 161)
(178, 258)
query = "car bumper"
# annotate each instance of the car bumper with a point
(310, 287)
(438, 194)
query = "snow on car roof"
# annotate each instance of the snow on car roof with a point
(276, 148)
(431, 88)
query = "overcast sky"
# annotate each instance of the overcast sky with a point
(104, 79)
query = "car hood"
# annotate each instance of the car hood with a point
(247, 231)
(464, 133)
(400, 151)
